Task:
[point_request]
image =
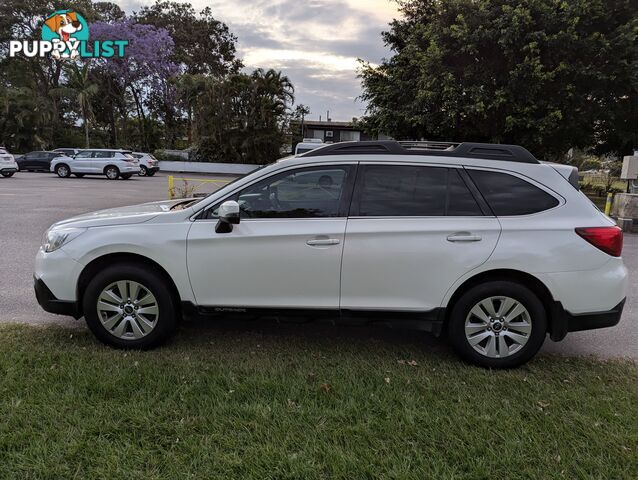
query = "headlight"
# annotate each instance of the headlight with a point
(55, 238)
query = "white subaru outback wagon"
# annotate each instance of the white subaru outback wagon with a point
(481, 242)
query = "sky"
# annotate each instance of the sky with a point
(316, 43)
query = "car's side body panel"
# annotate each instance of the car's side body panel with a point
(409, 263)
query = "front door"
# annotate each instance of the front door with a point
(413, 231)
(286, 251)
(82, 162)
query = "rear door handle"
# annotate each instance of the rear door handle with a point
(316, 242)
(464, 237)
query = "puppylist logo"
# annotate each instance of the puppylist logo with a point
(65, 34)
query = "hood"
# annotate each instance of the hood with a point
(121, 215)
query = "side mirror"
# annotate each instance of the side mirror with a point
(228, 216)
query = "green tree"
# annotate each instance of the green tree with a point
(80, 87)
(241, 118)
(203, 44)
(547, 74)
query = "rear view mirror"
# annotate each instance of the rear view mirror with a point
(228, 216)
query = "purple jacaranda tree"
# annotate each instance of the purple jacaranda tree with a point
(145, 70)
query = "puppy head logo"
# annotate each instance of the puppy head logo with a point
(65, 26)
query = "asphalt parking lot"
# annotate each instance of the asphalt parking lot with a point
(31, 202)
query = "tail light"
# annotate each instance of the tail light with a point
(607, 239)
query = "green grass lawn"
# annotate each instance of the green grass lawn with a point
(304, 403)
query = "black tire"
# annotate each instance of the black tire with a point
(143, 171)
(150, 174)
(112, 172)
(516, 291)
(150, 279)
(79, 175)
(125, 176)
(7, 174)
(63, 170)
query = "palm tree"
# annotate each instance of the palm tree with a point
(80, 86)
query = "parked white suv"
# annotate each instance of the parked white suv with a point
(8, 165)
(149, 165)
(113, 164)
(482, 242)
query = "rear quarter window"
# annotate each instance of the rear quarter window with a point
(508, 195)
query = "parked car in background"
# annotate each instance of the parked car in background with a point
(308, 144)
(69, 152)
(39, 161)
(8, 165)
(113, 164)
(480, 242)
(149, 165)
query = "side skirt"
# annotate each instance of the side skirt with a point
(428, 321)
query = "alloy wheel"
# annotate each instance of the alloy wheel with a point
(498, 327)
(127, 310)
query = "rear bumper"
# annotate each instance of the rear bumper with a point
(152, 169)
(51, 304)
(564, 322)
(8, 170)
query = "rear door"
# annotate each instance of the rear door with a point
(100, 160)
(413, 231)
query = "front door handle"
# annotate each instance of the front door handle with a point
(320, 242)
(463, 237)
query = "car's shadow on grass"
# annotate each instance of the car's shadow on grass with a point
(206, 328)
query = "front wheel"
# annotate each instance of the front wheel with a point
(63, 170)
(130, 306)
(143, 171)
(112, 173)
(498, 324)
(7, 174)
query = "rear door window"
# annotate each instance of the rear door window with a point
(412, 191)
(508, 195)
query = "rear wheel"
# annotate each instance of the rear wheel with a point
(63, 170)
(498, 324)
(130, 306)
(143, 171)
(112, 172)
(7, 174)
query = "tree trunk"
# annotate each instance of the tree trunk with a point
(141, 117)
(86, 128)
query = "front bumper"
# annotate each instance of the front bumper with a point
(50, 304)
(564, 322)
(152, 169)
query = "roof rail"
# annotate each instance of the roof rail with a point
(486, 151)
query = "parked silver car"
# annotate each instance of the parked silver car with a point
(149, 165)
(113, 164)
